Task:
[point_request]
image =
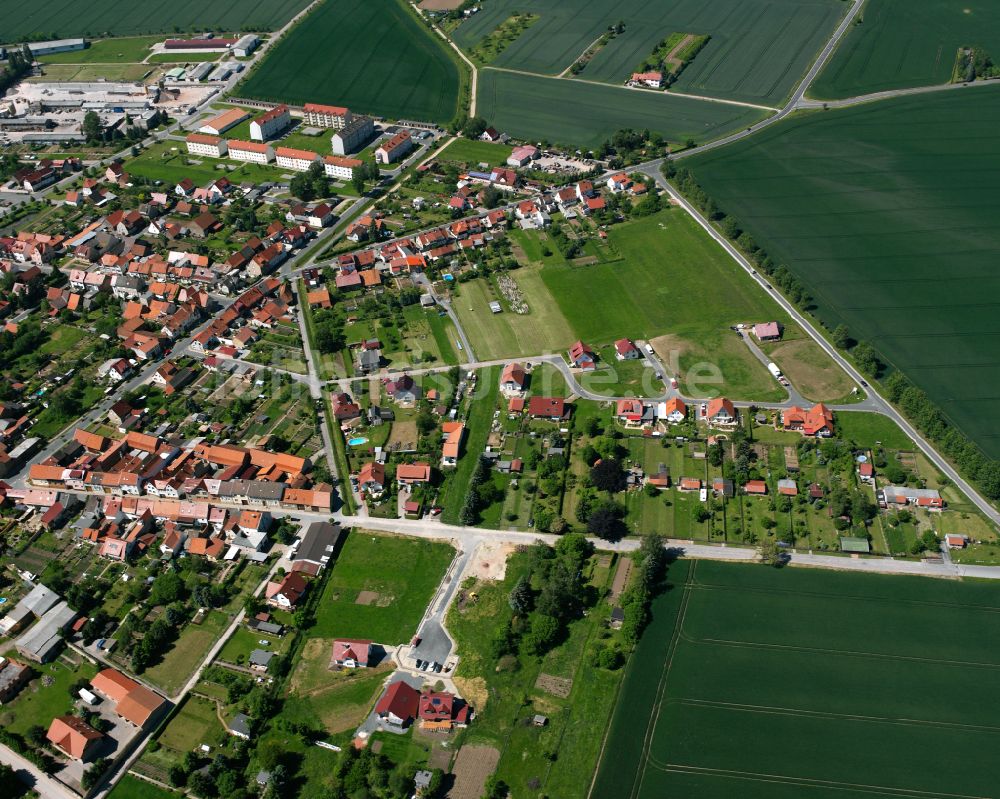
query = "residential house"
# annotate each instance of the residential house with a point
(721, 412)
(397, 707)
(371, 478)
(547, 408)
(767, 331)
(351, 653)
(625, 350)
(582, 356)
(73, 737)
(454, 432)
(287, 593)
(410, 474)
(513, 380)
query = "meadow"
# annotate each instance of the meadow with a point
(904, 43)
(887, 214)
(385, 63)
(92, 18)
(585, 114)
(757, 52)
(399, 576)
(735, 687)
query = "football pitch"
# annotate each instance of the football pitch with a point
(757, 682)
(757, 51)
(94, 18)
(371, 55)
(887, 213)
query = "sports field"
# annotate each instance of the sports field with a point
(586, 114)
(757, 50)
(92, 18)
(904, 43)
(887, 213)
(370, 55)
(756, 682)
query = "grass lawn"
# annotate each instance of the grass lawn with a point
(244, 641)
(336, 701)
(864, 429)
(400, 575)
(130, 787)
(505, 335)
(166, 161)
(478, 427)
(809, 369)
(187, 652)
(38, 703)
(472, 152)
(130, 49)
(195, 723)
(614, 378)
(92, 72)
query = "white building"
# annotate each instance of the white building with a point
(251, 151)
(246, 45)
(394, 149)
(203, 144)
(270, 124)
(326, 116)
(299, 160)
(339, 167)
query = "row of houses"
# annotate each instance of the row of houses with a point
(338, 167)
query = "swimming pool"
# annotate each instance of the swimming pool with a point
(357, 442)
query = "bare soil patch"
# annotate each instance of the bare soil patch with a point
(473, 767)
(367, 598)
(403, 437)
(557, 686)
(622, 574)
(489, 561)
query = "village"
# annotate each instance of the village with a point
(293, 420)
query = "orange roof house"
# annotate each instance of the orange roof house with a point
(133, 702)
(73, 736)
(721, 411)
(408, 473)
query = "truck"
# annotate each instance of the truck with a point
(774, 370)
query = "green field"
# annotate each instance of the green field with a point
(133, 788)
(887, 214)
(757, 51)
(735, 689)
(166, 161)
(586, 114)
(107, 51)
(904, 43)
(92, 18)
(386, 63)
(402, 573)
(471, 152)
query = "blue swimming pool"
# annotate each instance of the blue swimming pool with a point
(357, 442)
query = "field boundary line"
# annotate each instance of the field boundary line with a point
(839, 597)
(704, 98)
(654, 715)
(810, 782)
(849, 652)
(829, 714)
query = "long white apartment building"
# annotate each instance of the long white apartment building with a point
(341, 168)
(270, 124)
(203, 144)
(298, 160)
(254, 152)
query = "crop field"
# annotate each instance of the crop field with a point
(904, 43)
(68, 18)
(586, 114)
(735, 689)
(756, 53)
(386, 63)
(902, 240)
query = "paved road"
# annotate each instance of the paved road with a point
(874, 401)
(47, 787)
